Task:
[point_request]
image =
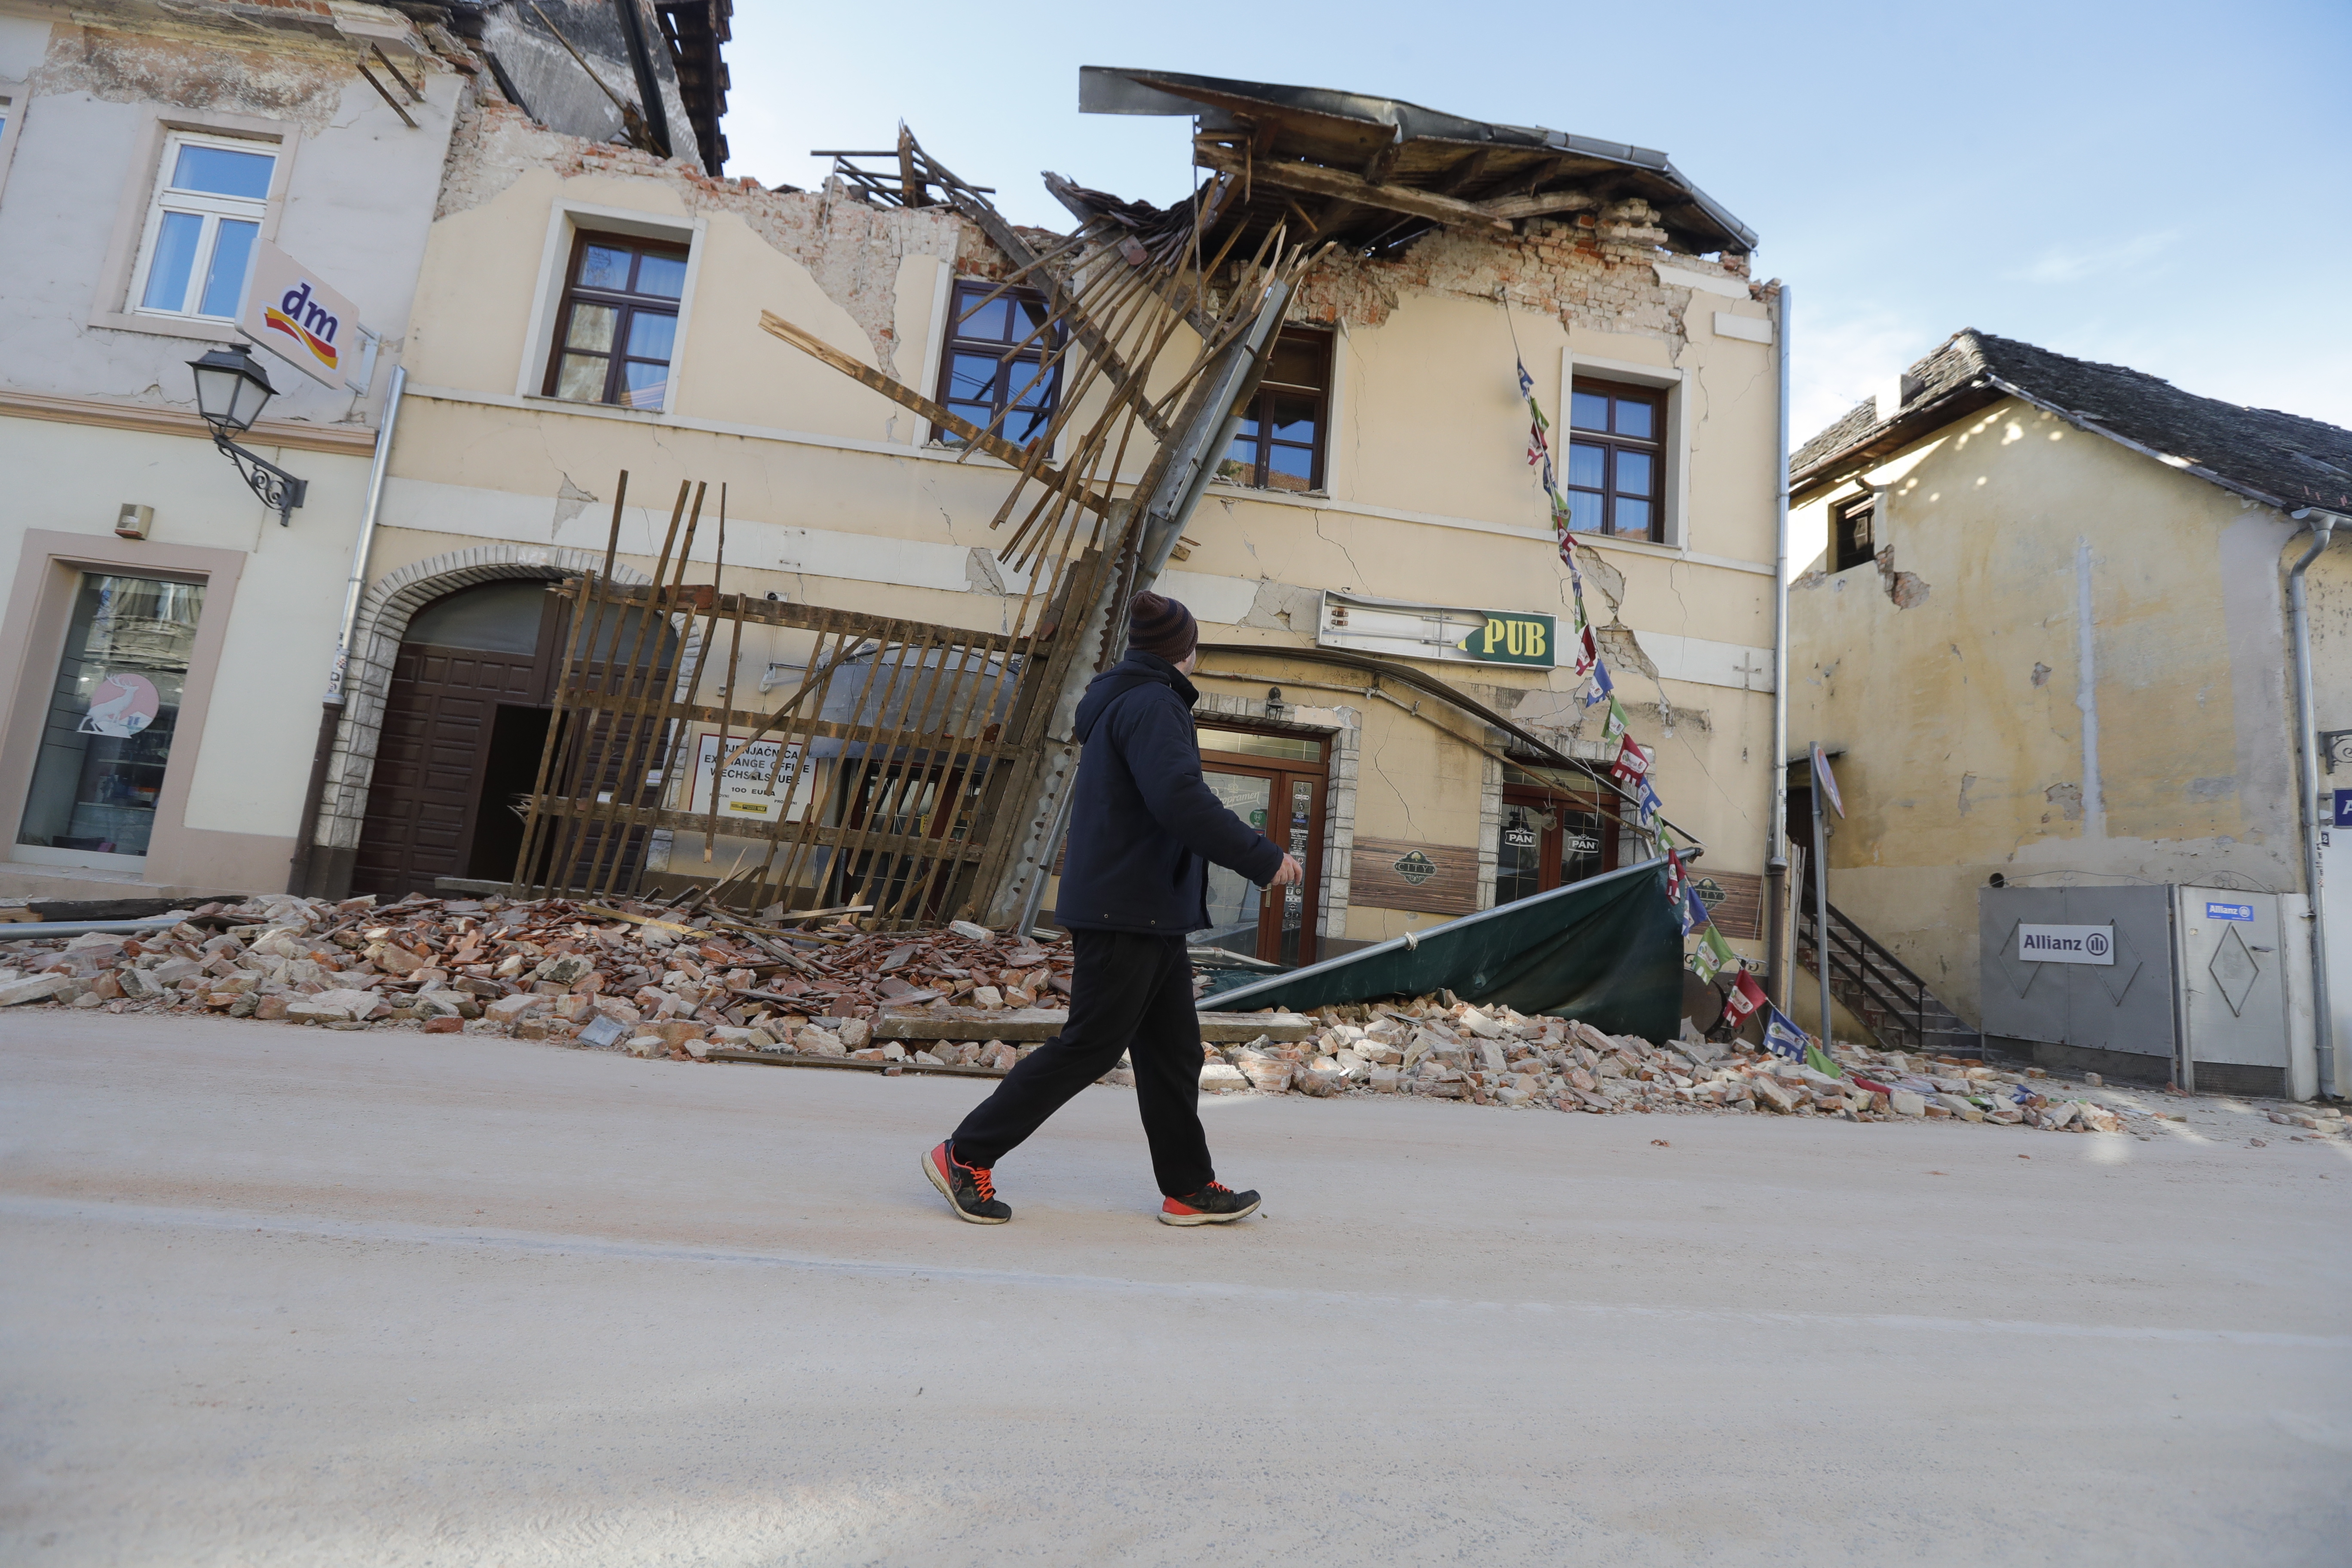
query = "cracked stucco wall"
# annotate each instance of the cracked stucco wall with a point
(1974, 741)
(853, 251)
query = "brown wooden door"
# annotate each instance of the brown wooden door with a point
(426, 795)
(457, 721)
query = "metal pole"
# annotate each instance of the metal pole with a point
(302, 875)
(2323, 529)
(1775, 837)
(1821, 899)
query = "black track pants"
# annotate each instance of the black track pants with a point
(1131, 993)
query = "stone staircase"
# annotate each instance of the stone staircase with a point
(1879, 989)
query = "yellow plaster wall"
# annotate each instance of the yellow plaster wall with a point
(1428, 421)
(1962, 717)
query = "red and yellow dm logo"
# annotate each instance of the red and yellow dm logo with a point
(304, 320)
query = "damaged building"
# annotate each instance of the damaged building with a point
(2051, 647)
(176, 570)
(564, 294)
(586, 307)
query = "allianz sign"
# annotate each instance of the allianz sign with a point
(2065, 944)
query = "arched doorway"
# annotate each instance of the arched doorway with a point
(465, 719)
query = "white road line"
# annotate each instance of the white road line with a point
(596, 1248)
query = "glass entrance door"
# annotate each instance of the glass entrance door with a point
(114, 710)
(1274, 782)
(1235, 905)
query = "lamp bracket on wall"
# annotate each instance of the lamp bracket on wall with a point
(279, 490)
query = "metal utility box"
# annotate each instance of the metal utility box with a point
(2151, 984)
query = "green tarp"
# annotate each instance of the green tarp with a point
(1607, 950)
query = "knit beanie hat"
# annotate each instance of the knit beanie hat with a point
(1161, 626)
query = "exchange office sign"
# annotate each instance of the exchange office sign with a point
(2065, 944)
(759, 781)
(1405, 630)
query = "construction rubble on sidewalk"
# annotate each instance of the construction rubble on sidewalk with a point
(811, 987)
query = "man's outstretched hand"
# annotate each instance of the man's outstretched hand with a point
(1290, 874)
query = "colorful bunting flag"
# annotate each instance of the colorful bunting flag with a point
(1746, 986)
(1612, 723)
(1781, 1036)
(1736, 1000)
(1711, 942)
(1694, 911)
(1819, 1060)
(1632, 761)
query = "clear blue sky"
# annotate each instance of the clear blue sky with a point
(2150, 183)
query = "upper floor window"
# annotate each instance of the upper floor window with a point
(1279, 444)
(616, 331)
(1853, 532)
(1615, 459)
(994, 366)
(207, 211)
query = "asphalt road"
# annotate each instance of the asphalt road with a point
(277, 1295)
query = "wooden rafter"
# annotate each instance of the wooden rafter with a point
(898, 392)
(1315, 180)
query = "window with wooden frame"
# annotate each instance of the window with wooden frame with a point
(998, 368)
(211, 199)
(1616, 459)
(1280, 442)
(1554, 829)
(616, 331)
(1854, 531)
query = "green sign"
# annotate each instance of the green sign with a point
(1416, 867)
(1509, 638)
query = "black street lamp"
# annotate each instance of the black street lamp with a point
(231, 392)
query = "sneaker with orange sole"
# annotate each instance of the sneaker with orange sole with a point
(970, 1191)
(1213, 1205)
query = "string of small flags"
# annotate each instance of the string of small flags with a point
(1712, 955)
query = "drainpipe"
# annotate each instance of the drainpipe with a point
(2323, 529)
(1776, 799)
(304, 876)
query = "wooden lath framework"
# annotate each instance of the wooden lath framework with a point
(909, 757)
(1118, 294)
(889, 757)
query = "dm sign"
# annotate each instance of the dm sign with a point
(2065, 944)
(290, 312)
(1509, 638)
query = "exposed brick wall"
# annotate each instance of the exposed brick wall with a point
(1595, 270)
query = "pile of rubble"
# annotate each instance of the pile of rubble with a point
(814, 986)
(1453, 1050)
(631, 975)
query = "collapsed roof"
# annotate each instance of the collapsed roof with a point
(2282, 460)
(1372, 174)
(647, 72)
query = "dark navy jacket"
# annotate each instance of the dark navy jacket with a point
(1143, 826)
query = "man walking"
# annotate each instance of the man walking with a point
(1143, 828)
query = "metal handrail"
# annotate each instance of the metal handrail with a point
(1875, 978)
